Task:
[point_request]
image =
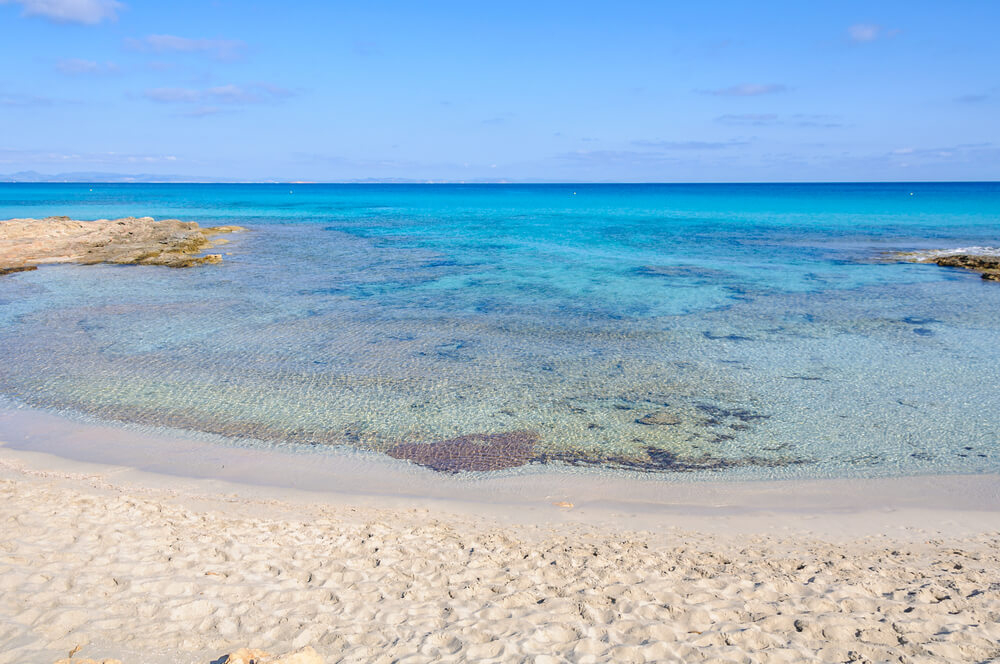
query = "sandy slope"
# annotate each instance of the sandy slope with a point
(155, 575)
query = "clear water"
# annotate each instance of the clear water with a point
(760, 321)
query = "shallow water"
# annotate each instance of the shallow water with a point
(750, 330)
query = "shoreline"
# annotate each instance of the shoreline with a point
(141, 546)
(829, 506)
(163, 569)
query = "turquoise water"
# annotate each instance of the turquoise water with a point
(738, 330)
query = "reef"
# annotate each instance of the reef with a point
(27, 243)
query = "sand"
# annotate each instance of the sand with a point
(147, 568)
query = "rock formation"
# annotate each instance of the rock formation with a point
(986, 264)
(26, 243)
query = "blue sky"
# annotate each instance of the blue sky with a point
(522, 91)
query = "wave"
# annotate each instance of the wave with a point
(931, 255)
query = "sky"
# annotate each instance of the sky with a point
(579, 91)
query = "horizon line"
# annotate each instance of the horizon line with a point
(376, 181)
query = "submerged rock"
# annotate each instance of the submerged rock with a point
(660, 417)
(475, 452)
(656, 459)
(683, 271)
(26, 243)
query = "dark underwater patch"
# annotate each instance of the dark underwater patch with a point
(726, 337)
(658, 460)
(471, 452)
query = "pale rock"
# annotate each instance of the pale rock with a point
(255, 656)
(304, 656)
(247, 656)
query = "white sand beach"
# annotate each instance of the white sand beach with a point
(141, 567)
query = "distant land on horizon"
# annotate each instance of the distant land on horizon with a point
(98, 177)
(86, 177)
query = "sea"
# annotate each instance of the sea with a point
(726, 331)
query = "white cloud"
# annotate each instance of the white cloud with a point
(232, 94)
(256, 93)
(816, 120)
(973, 99)
(15, 100)
(688, 145)
(222, 49)
(864, 32)
(203, 111)
(747, 90)
(749, 119)
(88, 12)
(173, 95)
(964, 152)
(869, 32)
(618, 157)
(20, 157)
(980, 97)
(76, 66)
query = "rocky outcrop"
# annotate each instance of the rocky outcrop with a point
(19, 268)
(986, 264)
(26, 243)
